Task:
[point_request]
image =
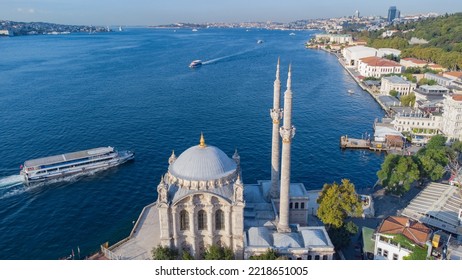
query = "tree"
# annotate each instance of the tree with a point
(393, 93)
(434, 158)
(337, 202)
(216, 252)
(341, 237)
(398, 173)
(164, 253)
(408, 100)
(187, 255)
(270, 254)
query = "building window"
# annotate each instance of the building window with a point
(310, 257)
(316, 257)
(219, 220)
(290, 205)
(302, 205)
(385, 253)
(324, 257)
(379, 251)
(296, 205)
(184, 220)
(395, 257)
(201, 220)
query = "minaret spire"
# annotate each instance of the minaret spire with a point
(276, 115)
(287, 132)
(289, 78)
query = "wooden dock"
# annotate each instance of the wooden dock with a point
(354, 143)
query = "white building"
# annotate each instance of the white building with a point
(433, 93)
(402, 86)
(389, 51)
(352, 55)
(440, 80)
(201, 201)
(452, 117)
(397, 237)
(334, 38)
(421, 127)
(413, 62)
(377, 67)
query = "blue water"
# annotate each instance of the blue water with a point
(134, 90)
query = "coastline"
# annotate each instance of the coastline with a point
(360, 84)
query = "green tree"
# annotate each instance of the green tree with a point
(398, 173)
(393, 93)
(187, 256)
(436, 142)
(270, 254)
(425, 81)
(164, 253)
(216, 252)
(341, 237)
(408, 100)
(337, 202)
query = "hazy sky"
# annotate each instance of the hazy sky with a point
(153, 12)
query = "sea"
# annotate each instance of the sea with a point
(133, 90)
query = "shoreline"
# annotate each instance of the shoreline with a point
(358, 82)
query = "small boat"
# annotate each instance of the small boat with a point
(292, 34)
(194, 30)
(260, 42)
(350, 91)
(65, 165)
(195, 64)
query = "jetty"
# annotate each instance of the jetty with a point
(365, 144)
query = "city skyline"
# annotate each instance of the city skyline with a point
(144, 12)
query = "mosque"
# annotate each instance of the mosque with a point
(203, 201)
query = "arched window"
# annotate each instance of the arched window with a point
(302, 205)
(201, 220)
(219, 220)
(296, 205)
(184, 220)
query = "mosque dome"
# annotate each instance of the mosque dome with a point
(202, 163)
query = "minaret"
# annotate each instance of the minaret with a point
(287, 132)
(276, 116)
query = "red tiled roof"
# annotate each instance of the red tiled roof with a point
(414, 231)
(454, 74)
(457, 97)
(415, 60)
(377, 61)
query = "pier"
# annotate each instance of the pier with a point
(365, 144)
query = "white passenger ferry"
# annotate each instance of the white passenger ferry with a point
(59, 166)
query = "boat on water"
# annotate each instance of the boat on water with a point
(292, 34)
(195, 64)
(81, 162)
(194, 30)
(350, 91)
(260, 42)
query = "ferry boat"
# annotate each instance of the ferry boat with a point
(195, 63)
(81, 162)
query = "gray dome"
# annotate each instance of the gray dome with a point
(202, 164)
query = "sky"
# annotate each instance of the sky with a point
(156, 12)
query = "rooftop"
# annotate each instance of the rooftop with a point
(381, 62)
(415, 60)
(396, 80)
(414, 231)
(437, 205)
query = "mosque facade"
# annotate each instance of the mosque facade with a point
(202, 201)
